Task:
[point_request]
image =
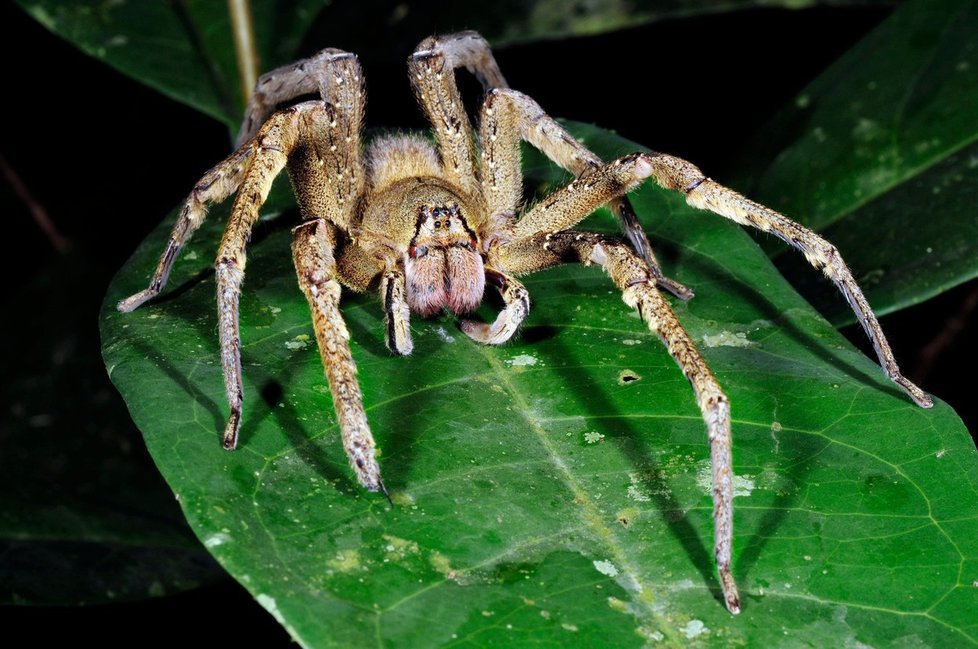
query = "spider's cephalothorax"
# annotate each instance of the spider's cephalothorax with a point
(428, 225)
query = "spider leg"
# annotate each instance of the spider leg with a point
(633, 278)
(701, 192)
(333, 73)
(507, 117)
(312, 250)
(517, 305)
(431, 69)
(273, 144)
(216, 185)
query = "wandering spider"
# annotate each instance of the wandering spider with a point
(428, 225)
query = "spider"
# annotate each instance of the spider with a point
(429, 225)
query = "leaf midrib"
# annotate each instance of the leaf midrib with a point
(586, 508)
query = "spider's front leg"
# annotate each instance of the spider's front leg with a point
(680, 175)
(632, 277)
(507, 115)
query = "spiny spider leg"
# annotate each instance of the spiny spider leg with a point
(632, 277)
(275, 142)
(313, 243)
(333, 73)
(216, 185)
(509, 115)
(432, 69)
(680, 175)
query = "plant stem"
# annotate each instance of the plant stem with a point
(243, 30)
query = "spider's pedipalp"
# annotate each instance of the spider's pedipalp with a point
(397, 313)
(312, 251)
(703, 193)
(216, 185)
(516, 302)
(633, 279)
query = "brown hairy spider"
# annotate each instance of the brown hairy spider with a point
(429, 225)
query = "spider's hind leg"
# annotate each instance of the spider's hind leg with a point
(216, 185)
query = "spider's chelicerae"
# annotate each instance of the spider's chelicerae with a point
(429, 225)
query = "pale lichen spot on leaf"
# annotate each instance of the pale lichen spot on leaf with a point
(214, 540)
(694, 628)
(397, 548)
(444, 335)
(728, 339)
(402, 498)
(346, 561)
(592, 437)
(743, 484)
(605, 567)
(635, 490)
(299, 342)
(523, 360)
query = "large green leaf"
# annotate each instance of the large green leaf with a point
(881, 154)
(540, 498)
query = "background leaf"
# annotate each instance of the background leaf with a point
(184, 48)
(880, 153)
(78, 498)
(539, 499)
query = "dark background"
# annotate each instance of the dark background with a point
(107, 158)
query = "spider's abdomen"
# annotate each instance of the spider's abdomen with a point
(443, 266)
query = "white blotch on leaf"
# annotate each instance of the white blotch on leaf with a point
(635, 490)
(727, 339)
(214, 540)
(593, 437)
(522, 360)
(299, 342)
(606, 568)
(440, 331)
(743, 484)
(694, 628)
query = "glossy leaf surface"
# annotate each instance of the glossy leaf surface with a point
(880, 153)
(554, 491)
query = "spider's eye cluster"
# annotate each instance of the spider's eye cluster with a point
(441, 216)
